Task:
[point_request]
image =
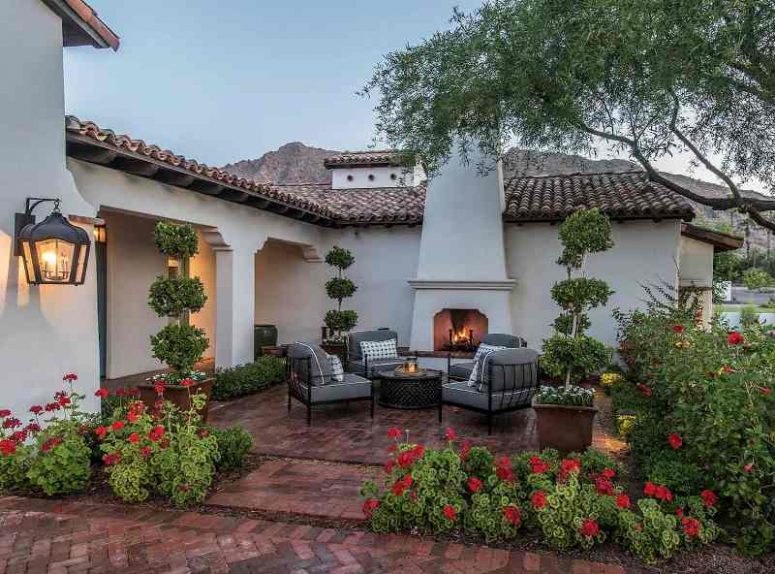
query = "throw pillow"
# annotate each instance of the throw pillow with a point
(480, 365)
(337, 371)
(379, 349)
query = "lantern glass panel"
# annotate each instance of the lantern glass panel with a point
(83, 255)
(55, 258)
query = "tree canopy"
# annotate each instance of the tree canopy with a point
(649, 77)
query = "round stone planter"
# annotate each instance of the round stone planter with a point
(178, 396)
(565, 428)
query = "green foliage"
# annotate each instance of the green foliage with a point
(233, 444)
(572, 502)
(748, 316)
(584, 232)
(62, 464)
(172, 296)
(247, 379)
(340, 288)
(567, 396)
(564, 323)
(13, 469)
(339, 257)
(695, 383)
(180, 346)
(580, 356)
(176, 240)
(578, 294)
(755, 278)
(341, 321)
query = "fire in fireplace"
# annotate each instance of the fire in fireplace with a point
(458, 330)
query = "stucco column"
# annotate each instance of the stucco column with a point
(235, 299)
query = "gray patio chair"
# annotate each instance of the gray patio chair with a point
(310, 380)
(361, 365)
(462, 371)
(508, 382)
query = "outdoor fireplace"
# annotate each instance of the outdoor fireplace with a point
(458, 330)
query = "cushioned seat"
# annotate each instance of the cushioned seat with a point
(375, 366)
(353, 387)
(459, 393)
(461, 370)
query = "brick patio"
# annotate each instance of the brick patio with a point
(57, 537)
(347, 434)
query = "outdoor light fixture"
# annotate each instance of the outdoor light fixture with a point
(54, 251)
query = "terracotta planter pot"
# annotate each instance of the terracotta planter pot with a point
(565, 428)
(179, 396)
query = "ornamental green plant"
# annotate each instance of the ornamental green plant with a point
(704, 413)
(179, 344)
(339, 321)
(568, 502)
(248, 378)
(569, 353)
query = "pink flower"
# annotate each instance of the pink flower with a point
(474, 484)
(748, 467)
(675, 441)
(450, 513)
(512, 514)
(735, 338)
(589, 528)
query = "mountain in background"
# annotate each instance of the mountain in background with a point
(298, 163)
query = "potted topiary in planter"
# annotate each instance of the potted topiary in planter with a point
(565, 413)
(339, 321)
(179, 344)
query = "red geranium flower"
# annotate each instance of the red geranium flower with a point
(679, 512)
(131, 417)
(159, 387)
(7, 447)
(503, 469)
(663, 493)
(11, 423)
(70, 377)
(569, 465)
(146, 451)
(679, 329)
(450, 434)
(691, 527)
(608, 473)
(156, 433)
(36, 409)
(622, 501)
(134, 437)
(402, 484)
(767, 391)
(187, 382)
(538, 465)
(20, 436)
(735, 338)
(111, 459)
(117, 426)
(394, 433)
(604, 486)
(474, 484)
(644, 389)
(369, 506)
(589, 528)
(464, 450)
(650, 489)
(709, 497)
(748, 467)
(32, 428)
(5, 413)
(101, 431)
(538, 498)
(101, 393)
(512, 514)
(675, 441)
(389, 466)
(50, 444)
(450, 513)
(63, 400)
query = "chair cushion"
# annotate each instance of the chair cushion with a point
(337, 371)
(375, 365)
(483, 352)
(372, 350)
(461, 394)
(353, 387)
(321, 372)
(503, 340)
(511, 370)
(354, 340)
(461, 370)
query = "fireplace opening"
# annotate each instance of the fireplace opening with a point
(459, 330)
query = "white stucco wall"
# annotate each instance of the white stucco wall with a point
(696, 271)
(203, 266)
(48, 330)
(644, 252)
(377, 176)
(290, 291)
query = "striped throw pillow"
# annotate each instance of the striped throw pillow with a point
(337, 371)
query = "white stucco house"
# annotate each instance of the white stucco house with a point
(462, 250)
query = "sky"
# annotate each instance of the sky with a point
(220, 81)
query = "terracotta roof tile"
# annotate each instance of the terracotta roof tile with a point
(628, 195)
(364, 158)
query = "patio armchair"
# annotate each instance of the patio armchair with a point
(462, 371)
(509, 379)
(364, 366)
(310, 380)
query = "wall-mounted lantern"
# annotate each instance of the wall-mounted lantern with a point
(54, 251)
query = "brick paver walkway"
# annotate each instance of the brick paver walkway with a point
(39, 536)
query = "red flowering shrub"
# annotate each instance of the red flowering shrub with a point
(572, 501)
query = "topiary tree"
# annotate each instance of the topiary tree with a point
(179, 344)
(339, 288)
(569, 352)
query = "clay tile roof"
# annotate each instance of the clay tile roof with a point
(378, 205)
(628, 195)
(81, 26)
(363, 158)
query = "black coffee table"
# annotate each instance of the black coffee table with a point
(404, 391)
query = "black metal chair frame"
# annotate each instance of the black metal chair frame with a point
(506, 397)
(297, 391)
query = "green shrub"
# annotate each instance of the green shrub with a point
(247, 379)
(339, 321)
(180, 346)
(62, 464)
(173, 296)
(233, 444)
(176, 240)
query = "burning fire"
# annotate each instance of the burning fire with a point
(462, 337)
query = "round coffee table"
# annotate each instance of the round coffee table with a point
(402, 391)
